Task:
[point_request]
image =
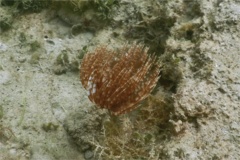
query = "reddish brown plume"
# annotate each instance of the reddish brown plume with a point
(119, 80)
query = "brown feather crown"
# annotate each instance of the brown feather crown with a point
(119, 80)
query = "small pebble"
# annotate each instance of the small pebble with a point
(5, 77)
(88, 154)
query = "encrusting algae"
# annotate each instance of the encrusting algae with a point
(119, 80)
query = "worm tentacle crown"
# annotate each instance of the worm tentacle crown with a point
(118, 81)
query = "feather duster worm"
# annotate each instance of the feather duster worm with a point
(119, 80)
